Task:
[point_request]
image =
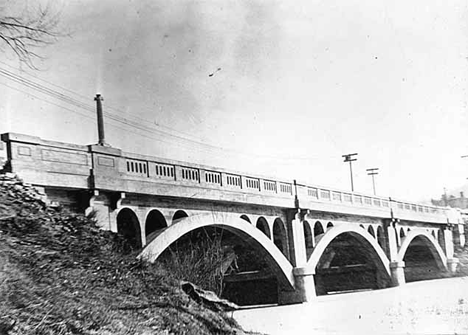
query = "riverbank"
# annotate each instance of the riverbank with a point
(427, 307)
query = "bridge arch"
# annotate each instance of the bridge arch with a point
(318, 228)
(279, 235)
(154, 221)
(380, 236)
(329, 225)
(246, 218)
(402, 233)
(440, 237)
(360, 234)
(180, 214)
(129, 226)
(429, 241)
(308, 238)
(262, 225)
(370, 230)
(254, 237)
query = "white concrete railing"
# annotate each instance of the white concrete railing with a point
(68, 165)
(220, 178)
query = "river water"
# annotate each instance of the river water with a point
(427, 307)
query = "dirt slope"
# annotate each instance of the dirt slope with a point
(59, 274)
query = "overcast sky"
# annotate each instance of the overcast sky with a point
(281, 88)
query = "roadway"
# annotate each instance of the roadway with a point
(426, 307)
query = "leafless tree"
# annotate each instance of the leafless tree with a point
(27, 29)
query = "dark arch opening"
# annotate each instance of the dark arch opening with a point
(362, 226)
(262, 225)
(279, 235)
(318, 229)
(370, 230)
(224, 262)
(129, 227)
(154, 221)
(402, 232)
(420, 260)
(433, 233)
(381, 237)
(350, 263)
(246, 218)
(180, 214)
(309, 239)
(440, 238)
(329, 225)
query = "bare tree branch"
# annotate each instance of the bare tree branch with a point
(28, 30)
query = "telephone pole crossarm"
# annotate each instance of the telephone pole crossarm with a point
(349, 158)
(373, 172)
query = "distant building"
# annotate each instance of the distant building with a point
(460, 203)
(452, 201)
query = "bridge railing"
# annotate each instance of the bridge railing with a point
(399, 209)
(69, 165)
(211, 177)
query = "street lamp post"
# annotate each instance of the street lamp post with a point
(349, 158)
(373, 172)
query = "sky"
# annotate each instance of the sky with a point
(277, 88)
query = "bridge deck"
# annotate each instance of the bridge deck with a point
(62, 165)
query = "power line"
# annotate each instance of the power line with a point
(109, 106)
(123, 120)
(89, 116)
(35, 96)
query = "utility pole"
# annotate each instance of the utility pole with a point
(348, 158)
(100, 120)
(373, 172)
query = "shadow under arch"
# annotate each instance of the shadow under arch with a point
(322, 257)
(402, 233)
(246, 218)
(318, 229)
(129, 226)
(308, 238)
(262, 225)
(424, 258)
(279, 235)
(180, 214)
(154, 221)
(279, 264)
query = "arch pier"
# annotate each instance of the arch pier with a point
(389, 258)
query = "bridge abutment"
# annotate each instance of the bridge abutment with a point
(452, 264)
(397, 272)
(305, 285)
(397, 268)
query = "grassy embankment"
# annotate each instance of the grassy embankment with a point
(59, 274)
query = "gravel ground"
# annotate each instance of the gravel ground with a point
(428, 307)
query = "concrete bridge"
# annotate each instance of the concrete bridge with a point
(315, 240)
